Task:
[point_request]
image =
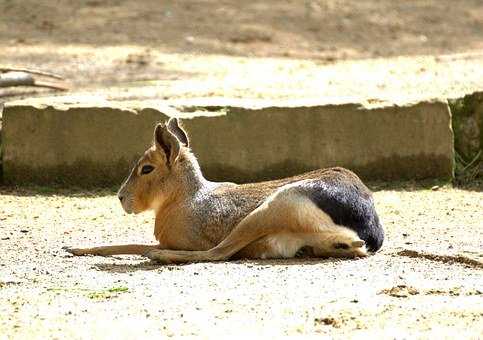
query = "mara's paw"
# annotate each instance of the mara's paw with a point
(355, 248)
(75, 251)
(158, 256)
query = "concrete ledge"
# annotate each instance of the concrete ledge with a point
(93, 142)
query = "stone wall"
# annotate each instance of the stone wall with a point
(92, 143)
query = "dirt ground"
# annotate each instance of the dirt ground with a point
(426, 282)
(249, 49)
(325, 30)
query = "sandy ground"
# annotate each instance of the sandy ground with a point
(308, 29)
(258, 49)
(181, 76)
(426, 282)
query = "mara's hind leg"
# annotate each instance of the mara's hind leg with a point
(331, 242)
(287, 220)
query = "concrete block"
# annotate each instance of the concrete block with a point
(96, 142)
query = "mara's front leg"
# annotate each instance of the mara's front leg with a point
(125, 249)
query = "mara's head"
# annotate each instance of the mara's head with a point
(156, 175)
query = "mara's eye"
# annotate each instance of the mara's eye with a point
(147, 169)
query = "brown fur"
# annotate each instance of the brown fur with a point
(198, 220)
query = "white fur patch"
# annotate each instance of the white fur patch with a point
(284, 245)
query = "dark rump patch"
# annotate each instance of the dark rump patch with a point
(349, 203)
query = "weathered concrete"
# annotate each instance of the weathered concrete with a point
(468, 124)
(73, 144)
(60, 140)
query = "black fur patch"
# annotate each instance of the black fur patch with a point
(349, 204)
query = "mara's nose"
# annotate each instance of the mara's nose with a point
(121, 198)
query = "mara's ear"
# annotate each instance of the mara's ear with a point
(167, 143)
(175, 127)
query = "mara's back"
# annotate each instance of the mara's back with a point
(335, 190)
